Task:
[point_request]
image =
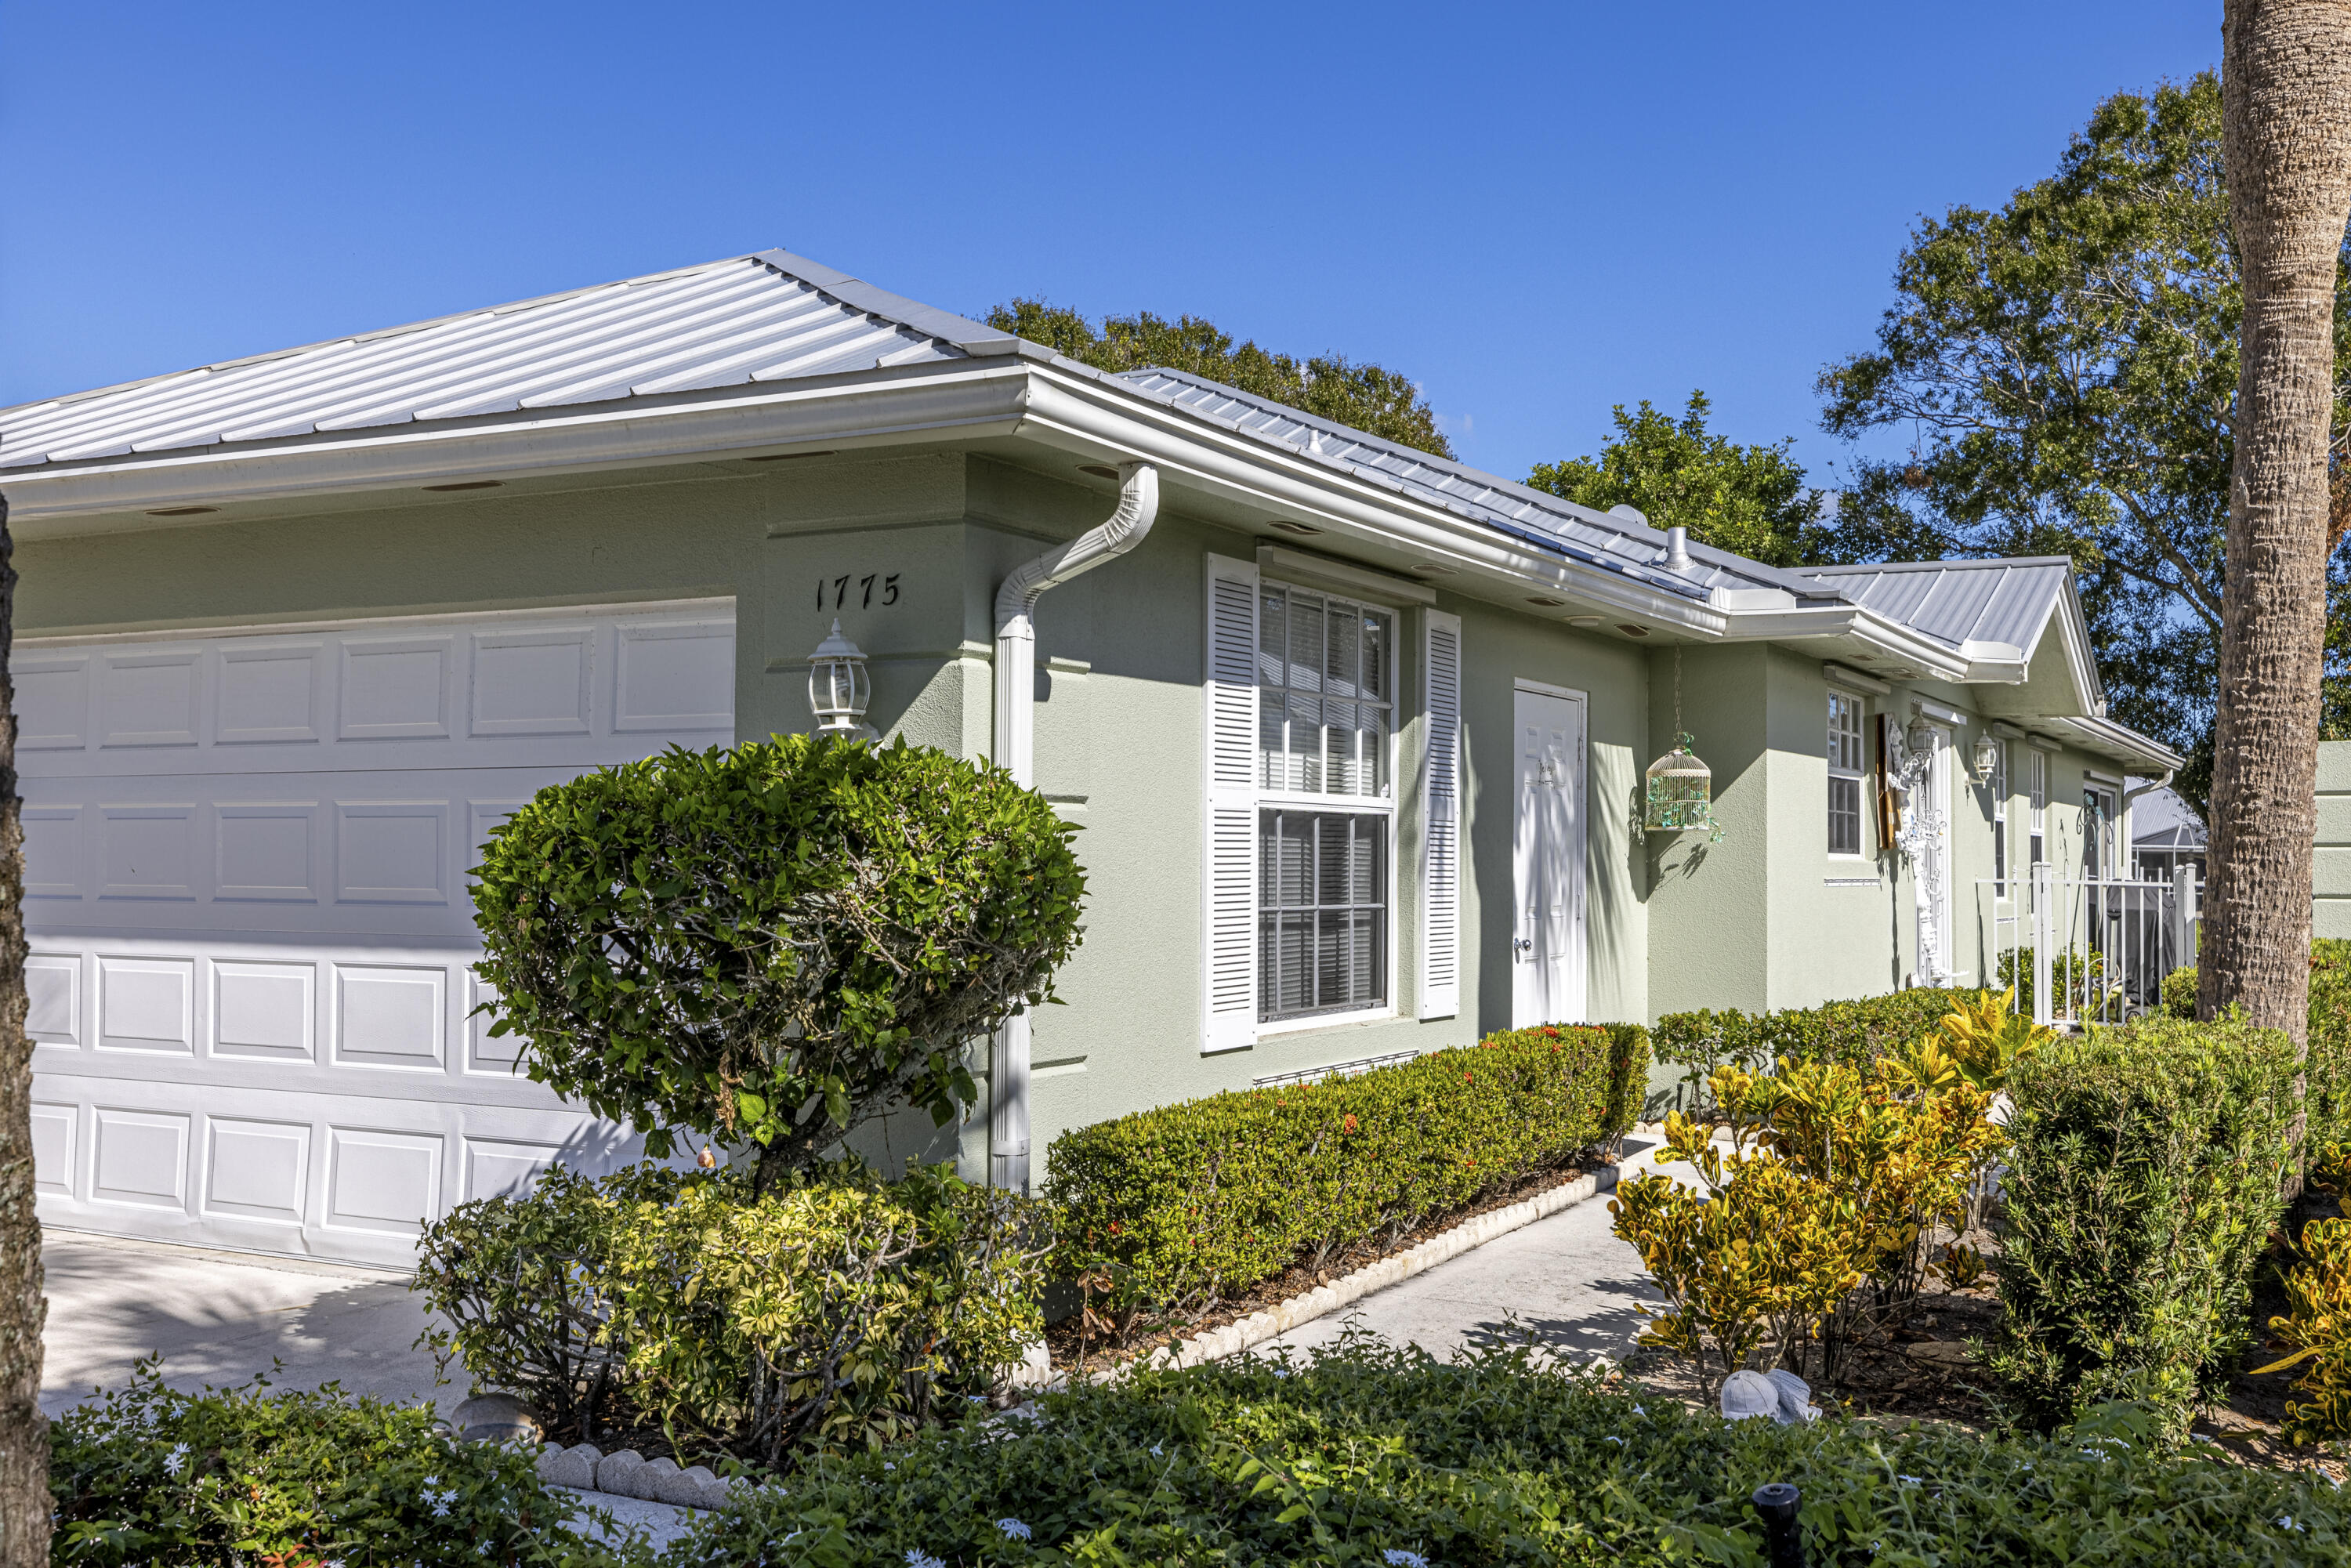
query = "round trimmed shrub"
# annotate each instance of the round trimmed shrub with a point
(775, 942)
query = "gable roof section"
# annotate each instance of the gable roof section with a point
(1534, 517)
(1984, 608)
(749, 319)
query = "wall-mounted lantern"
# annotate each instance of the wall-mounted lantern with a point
(839, 687)
(1987, 756)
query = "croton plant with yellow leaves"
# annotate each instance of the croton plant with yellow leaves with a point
(1840, 1190)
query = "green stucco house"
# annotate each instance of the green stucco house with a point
(1356, 735)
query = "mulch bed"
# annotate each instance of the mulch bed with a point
(1068, 1340)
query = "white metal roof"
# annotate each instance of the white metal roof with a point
(1615, 543)
(747, 318)
(1974, 606)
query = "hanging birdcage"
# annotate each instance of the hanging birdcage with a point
(1680, 791)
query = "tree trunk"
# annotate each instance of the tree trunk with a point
(2285, 96)
(24, 1431)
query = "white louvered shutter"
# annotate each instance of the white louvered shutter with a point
(1440, 865)
(1229, 897)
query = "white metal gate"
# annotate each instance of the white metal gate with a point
(2079, 948)
(251, 940)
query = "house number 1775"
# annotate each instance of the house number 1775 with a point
(862, 593)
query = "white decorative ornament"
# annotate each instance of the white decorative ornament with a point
(1909, 762)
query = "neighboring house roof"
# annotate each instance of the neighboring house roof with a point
(2163, 820)
(729, 323)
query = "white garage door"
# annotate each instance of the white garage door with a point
(245, 862)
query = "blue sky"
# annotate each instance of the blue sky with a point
(1536, 212)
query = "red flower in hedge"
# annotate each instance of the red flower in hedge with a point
(1349, 1124)
(1113, 1227)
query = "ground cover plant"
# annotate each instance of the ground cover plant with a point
(1171, 1209)
(833, 1311)
(774, 943)
(294, 1479)
(1852, 1032)
(1372, 1455)
(2142, 1181)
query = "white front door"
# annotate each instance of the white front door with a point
(246, 858)
(1547, 938)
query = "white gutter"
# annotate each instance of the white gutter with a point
(1015, 750)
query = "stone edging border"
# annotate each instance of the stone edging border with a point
(1241, 1334)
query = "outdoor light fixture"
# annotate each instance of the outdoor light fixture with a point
(1987, 757)
(839, 687)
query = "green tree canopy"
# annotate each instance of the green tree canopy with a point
(1751, 500)
(2066, 369)
(1365, 396)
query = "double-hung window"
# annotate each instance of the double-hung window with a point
(1326, 807)
(1845, 774)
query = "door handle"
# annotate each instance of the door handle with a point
(1523, 945)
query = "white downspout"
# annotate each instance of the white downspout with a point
(1015, 747)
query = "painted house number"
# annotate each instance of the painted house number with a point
(842, 593)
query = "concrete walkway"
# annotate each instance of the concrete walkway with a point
(220, 1318)
(1564, 1282)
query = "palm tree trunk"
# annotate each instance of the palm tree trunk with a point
(23, 1432)
(2285, 89)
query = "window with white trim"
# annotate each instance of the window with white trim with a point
(1845, 774)
(1326, 809)
(1999, 818)
(2040, 820)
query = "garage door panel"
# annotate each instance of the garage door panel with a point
(271, 692)
(394, 688)
(387, 1017)
(391, 851)
(147, 697)
(268, 851)
(146, 1004)
(54, 1129)
(147, 852)
(53, 863)
(251, 982)
(534, 682)
(266, 1012)
(140, 1158)
(256, 1170)
(52, 693)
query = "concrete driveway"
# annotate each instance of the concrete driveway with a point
(220, 1318)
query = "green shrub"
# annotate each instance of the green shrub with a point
(1848, 1034)
(2327, 1068)
(2180, 992)
(774, 942)
(834, 1311)
(248, 1475)
(2143, 1180)
(1365, 1457)
(1186, 1203)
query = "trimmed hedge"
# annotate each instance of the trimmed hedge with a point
(1854, 1033)
(1367, 1456)
(1187, 1203)
(2328, 1066)
(2143, 1179)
